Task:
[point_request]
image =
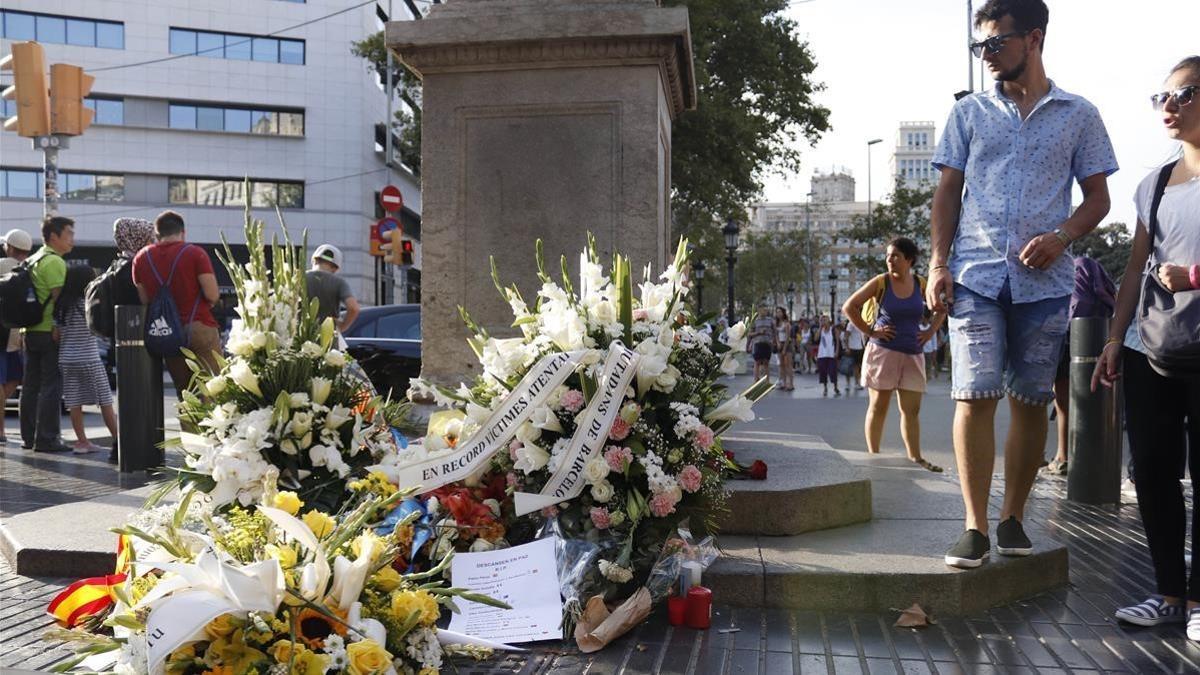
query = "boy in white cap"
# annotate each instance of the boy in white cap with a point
(17, 247)
(331, 291)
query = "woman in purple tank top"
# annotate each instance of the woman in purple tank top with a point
(893, 360)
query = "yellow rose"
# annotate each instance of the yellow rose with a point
(285, 554)
(282, 651)
(181, 659)
(360, 542)
(320, 523)
(366, 657)
(305, 661)
(404, 603)
(429, 671)
(287, 501)
(387, 579)
(221, 626)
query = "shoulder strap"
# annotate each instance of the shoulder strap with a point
(880, 287)
(1164, 176)
(171, 272)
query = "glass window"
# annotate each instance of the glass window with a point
(109, 111)
(291, 124)
(51, 29)
(19, 26)
(265, 49)
(181, 190)
(291, 195)
(80, 186)
(364, 329)
(237, 47)
(263, 122)
(400, 325)
(291, 51)
(209, 192)
(23, 184)
(110, 35)
(265, 194)
(237, 120)
(110, 188)
(82, 33)
(182, 116)
(235, 193)
(7, 108)
(211, 45)
(210, 119)
(183, 41)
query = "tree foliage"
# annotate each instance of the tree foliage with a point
(767, 263)
(406, 126)
(903, 213)
(1109, 245)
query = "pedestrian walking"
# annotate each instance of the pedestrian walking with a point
(1163, 413)
(894, 360)
(856, 343)
(85, 381)
(331, 291)
(827, 356)
(18, 245)
(186, 270)
(41, 388)
(762, 339)
(785, 346)
(1007, 159)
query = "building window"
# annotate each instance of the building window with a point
(236, 46)
(236, 120)
(108, 110)
(63, 30)
(232, 192)
(29, 184)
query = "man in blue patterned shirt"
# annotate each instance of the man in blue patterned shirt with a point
(1001, 224)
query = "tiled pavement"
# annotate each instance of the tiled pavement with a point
(1068, 630)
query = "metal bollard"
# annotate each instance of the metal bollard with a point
(140, 394)
(1094, 438)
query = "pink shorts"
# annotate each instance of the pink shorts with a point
(886, 369)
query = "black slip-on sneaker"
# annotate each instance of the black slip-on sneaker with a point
(970, 551)
(1011, 539)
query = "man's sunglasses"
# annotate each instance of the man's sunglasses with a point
(1182, 96)
(994, 43)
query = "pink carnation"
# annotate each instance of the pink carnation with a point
(600, 518)
(618, 458)
(690, 478)
(572, 401)
(513, 447)
(704, 437)
(640, 314)
(510, 479)
(662, 504)
(619, 430)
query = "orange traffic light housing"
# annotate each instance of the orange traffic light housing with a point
(406, 252)
(69, 85)
(393, 246)
(28, 63)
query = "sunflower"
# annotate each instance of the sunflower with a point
(312, 627)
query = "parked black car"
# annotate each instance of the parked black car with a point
(387, 342)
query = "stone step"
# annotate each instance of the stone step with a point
(809, 486)
(877, 566)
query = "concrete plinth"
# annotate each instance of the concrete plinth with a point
(541, 119)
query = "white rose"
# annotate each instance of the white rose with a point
(310, 349)
(335, 359)
(596, 470)
(602, 491)
(215, 386)
(301, 423)
(480, 545)
(527, 433)
(667, 381)
(729, 365)
(299, 400)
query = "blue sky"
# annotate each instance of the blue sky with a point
(887, 61)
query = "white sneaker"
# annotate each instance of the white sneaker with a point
(1128, 489)
(1193, 625)
(1155, 611)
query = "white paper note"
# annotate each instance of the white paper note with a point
(525, 577)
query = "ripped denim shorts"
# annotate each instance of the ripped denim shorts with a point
(1000, 347)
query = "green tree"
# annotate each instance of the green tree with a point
(407, 123)
(767, 263)
(1109, 245)
(903, 213)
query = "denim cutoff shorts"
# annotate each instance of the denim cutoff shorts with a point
(1000, 347)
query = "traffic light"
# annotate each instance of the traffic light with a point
(392, 246)
(28, 63)
(406, 252)
(68, 87)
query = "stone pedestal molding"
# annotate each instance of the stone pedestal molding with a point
(541, 119)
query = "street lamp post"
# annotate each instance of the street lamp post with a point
(808, 263)
(791, 297)
(731, 245)
(832, 295)
(698, 270)
(871, 142)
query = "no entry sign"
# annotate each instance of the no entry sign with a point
(390, 199)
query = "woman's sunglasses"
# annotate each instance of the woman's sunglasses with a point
(994, 43)
(1182, 96)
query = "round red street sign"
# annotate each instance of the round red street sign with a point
(390, 199)
(385, 225)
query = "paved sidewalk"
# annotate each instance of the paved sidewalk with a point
(1068, 630)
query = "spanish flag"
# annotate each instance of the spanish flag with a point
(88, 597)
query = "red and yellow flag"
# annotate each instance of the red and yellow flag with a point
(91, 596)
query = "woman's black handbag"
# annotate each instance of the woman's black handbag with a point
(1168, 323)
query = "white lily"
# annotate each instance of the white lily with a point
(738, 408)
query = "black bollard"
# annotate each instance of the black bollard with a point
(139, 393)
(1094, 438)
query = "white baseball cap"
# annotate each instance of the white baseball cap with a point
(20, 239)
(327, 253)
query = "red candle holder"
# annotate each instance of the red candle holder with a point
(699, 607)
(677, 610)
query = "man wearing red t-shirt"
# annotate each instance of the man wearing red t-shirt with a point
(193, 287)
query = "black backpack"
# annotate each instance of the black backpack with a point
(99, 299)
(163, 330)
(19, 306)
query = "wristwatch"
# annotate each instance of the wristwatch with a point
(1063, 237)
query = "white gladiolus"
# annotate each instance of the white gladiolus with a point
(244, 377)
(527, 433)
(216, 385)
(320, 389)
(501, 358)
(545, 419)
(530, 458)
(301, 423)
(311, 349)
(729, 365)
(258, 340)
(338, 416)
